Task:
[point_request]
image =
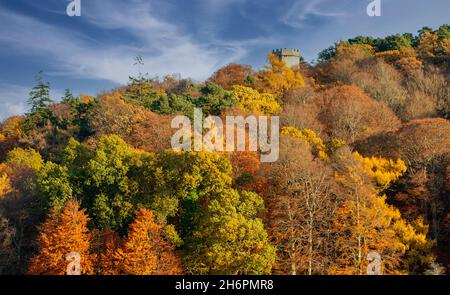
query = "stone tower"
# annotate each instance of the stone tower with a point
(290, 56)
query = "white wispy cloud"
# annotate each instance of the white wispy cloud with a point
(14, 99)
(165, 47)
(301, 11)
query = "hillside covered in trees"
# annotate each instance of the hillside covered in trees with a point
(364, 167)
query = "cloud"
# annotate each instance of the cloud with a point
(302, 11)
(164, 46)
(13, 100)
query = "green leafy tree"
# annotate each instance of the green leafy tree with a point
(228, 238)
(54, 186)
(214, 99)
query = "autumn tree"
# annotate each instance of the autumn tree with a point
(310, 137)
(61, 234)
(8, 255)
(341, 62)
(5, 183)
(136, 125)
(365, 222)
(277, 78)
(232, 74)
(145, 252)
(11, 132)
(227, 237)
(428, 45)
(300, 209)
(18, 203)
(105, 244)
(350, 114)
(382, 82)
(430, 87)
(251, 100)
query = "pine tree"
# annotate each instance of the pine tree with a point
(69, 98)
(40, 102)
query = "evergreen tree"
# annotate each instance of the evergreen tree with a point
(39, 102)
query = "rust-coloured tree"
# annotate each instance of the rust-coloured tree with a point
(60, 235)
(230, 75)
(145, 252)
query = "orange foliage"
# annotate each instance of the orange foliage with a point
(107, 242)
(60, 235)
(230, 75)
(145, 252)
(409, 64)
(11, 131)
(136, 125)
(350, 114)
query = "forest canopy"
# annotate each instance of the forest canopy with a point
(364, 167)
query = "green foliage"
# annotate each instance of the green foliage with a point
(327, 54)
(214, 99)
(228, 238)
(54, 186)
(68, 98)
(172, 103)
(39, 102)
(184, 176)
(113, 180)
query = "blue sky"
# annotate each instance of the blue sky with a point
(193, 38)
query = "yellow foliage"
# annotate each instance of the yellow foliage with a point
(334, 144)
(12, 128)
(86, 99)
(383, 171)
(5, 185)
(308, 136)
(28, 157)
(414, 237)
(445, 44)
(354, 52)
(366, 223)
(409, 64)
(251, 100)
(278, 77)
(428, 45)
(389, 55)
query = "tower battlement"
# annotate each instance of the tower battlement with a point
(290, 56)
